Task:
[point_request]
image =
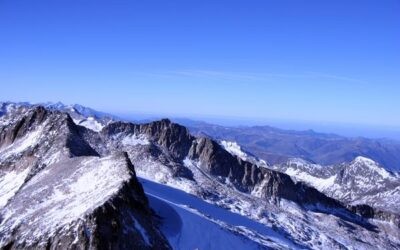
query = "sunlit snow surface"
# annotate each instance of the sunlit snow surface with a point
(362, 181)
(11, 181)
(62, 194)
(234, 149)
(373, 166)
(191, 223)
(21, 144)
(134, 140)
(9, 185)
(270, 226)
(90, 123)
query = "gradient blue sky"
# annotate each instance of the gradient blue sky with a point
(320, 61)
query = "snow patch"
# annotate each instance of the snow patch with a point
(234, 149)
(53, 158)
(319, 183)
(90, 123)
(20, 145)
(10, 183)
(63, 194)
(134, 140)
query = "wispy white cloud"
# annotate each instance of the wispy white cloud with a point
(336, 77)
(259, 77)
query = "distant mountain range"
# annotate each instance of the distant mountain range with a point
(277, 145)
(72, 177)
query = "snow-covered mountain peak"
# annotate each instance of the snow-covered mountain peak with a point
(365, 160)
(361, 181)
(361, 162)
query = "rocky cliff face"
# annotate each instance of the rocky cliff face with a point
(173, 137)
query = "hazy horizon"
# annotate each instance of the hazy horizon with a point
(342, 129)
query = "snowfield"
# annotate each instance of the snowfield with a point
(22, 144)
(249, 217)
(10, 183)
(63, 194)
(90, 123)
(234, 149)
(191, 223)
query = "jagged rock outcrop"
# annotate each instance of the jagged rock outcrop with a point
(8, 134)
(165, 141)
(173, 137)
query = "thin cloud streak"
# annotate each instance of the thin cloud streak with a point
(258, 77)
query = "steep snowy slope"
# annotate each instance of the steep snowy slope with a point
(186, 216)
(57, 192)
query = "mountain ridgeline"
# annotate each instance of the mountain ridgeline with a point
(217, 162)
(84, 177)
(52, 196)
(279, 145)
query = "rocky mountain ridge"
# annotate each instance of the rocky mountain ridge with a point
(53, 196)
(167, 153)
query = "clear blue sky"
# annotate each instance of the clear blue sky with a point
(331, 61)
